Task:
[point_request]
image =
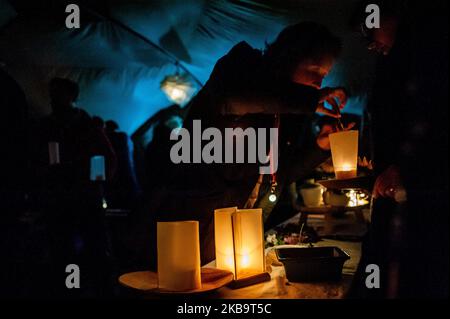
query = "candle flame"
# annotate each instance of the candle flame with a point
(346, 168)
(245, 260)
(229, 261)
(357, 198)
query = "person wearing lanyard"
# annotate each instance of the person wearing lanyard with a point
(250, 88)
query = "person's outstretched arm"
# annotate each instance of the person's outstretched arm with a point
(244, 87)
(285, 98)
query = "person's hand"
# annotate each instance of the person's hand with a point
(336, 97)
(389, 184)
(323, 140)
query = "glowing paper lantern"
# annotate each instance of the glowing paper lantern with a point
(223, 232)
(178, 88)
(344, 151)
(178, 256)
(239, 244)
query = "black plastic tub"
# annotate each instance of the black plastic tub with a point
(312, 264)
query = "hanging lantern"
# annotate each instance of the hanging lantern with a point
(344, 151)
(178, 88)
(239, 244)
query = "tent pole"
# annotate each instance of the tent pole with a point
(173, 59)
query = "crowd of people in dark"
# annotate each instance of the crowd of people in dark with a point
(54, 214)
(55, 209)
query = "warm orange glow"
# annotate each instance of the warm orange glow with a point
(223, 230)
(178, 255)
(357, 198)
(239, 241)
(344, 151)
(245, 261)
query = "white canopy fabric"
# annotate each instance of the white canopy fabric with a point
(120, 74)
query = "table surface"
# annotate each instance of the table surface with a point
(279, 288)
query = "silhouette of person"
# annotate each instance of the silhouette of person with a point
(250, 88)
(124, 186)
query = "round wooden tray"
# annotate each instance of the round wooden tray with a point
(147, 282)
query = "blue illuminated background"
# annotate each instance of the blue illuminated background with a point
(120, 74)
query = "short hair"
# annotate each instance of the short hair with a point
(111, 125)
(65, 86)
(299, 42)
(98, 121)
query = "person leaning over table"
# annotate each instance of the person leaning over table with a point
(249, 88)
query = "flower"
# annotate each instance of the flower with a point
(290, 234)
(272, 239)
(292, 239)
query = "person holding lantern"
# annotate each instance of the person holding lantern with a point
(257, 89)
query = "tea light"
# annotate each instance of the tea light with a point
(357, 198)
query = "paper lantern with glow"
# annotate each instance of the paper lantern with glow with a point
(344, 151)
(239, 244)
(178, 88)
(178, 255)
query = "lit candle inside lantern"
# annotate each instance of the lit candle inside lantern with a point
(223, 228)
(346, 168)
(178, 255)
(245, 261)
(344, 151)
(248, 237)
(239, 241)
(357, 198)
(353, 199)
(178, 88)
